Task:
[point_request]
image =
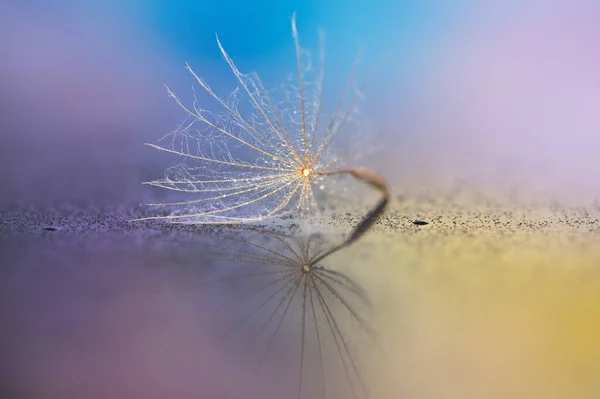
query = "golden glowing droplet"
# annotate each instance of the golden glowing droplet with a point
(305, 268)
(306, 172)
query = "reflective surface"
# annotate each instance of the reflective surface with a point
(484, 301)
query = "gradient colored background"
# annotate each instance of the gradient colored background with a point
(496, 97)
(503, 95)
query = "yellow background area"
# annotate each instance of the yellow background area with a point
(486, 301)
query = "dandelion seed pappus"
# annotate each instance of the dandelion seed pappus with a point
(265, 154)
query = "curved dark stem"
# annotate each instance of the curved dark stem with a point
(368, 221)
(375, 181)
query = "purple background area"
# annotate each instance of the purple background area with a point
(80, 96)
(97, 316)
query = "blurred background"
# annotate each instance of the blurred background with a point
(501, 96)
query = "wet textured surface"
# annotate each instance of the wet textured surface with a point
(94, 305)
(489, 300)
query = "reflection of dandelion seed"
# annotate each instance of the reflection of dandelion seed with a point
(263, 157)
(286, 280)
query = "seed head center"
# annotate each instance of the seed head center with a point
(305, 268)
(306, 172)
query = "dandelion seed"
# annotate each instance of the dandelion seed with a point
(261, 157)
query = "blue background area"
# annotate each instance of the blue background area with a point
(257, 33)
(263, 27)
